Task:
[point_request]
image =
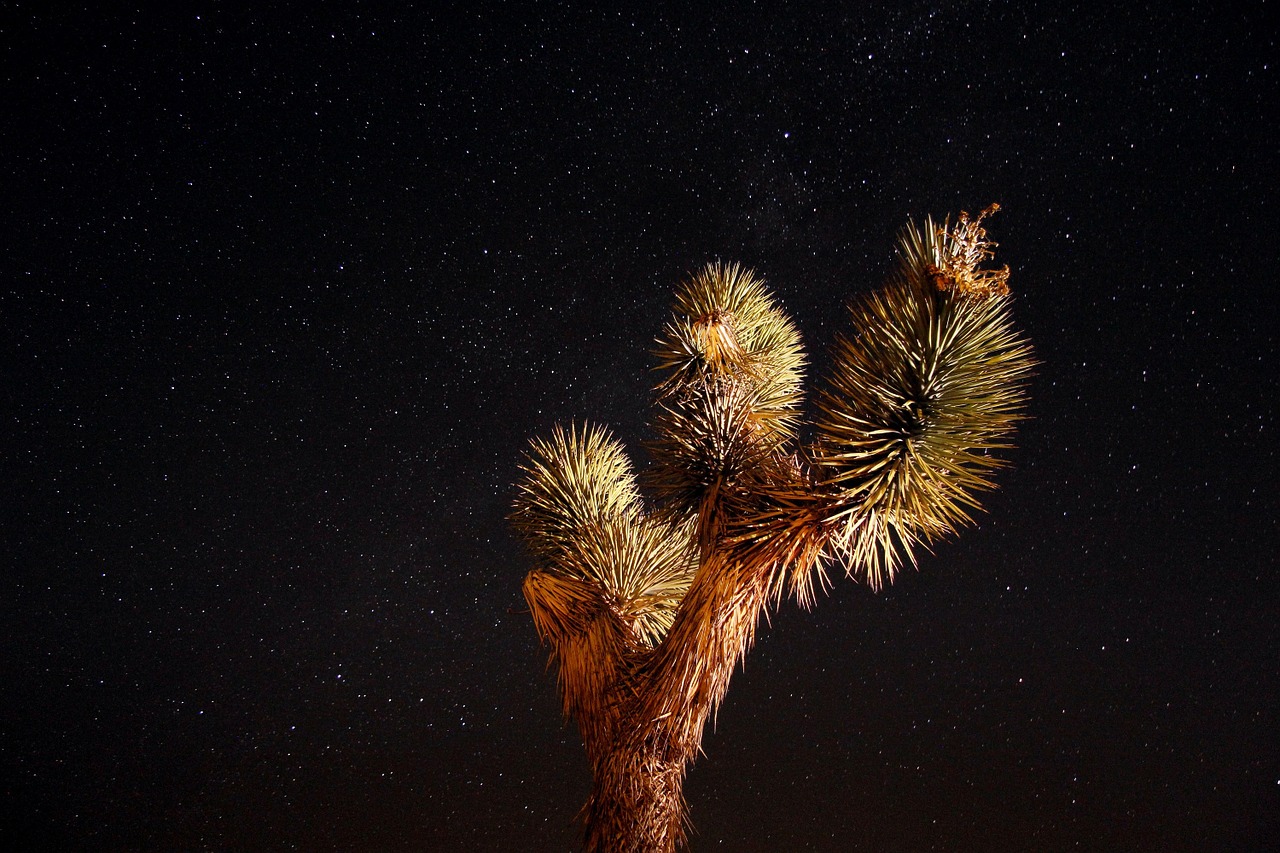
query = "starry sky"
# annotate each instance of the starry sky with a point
(285, 291)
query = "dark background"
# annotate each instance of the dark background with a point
(285, 292)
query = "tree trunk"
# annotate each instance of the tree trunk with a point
(636, 805)
(637, 802)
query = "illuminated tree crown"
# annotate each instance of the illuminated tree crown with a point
(648, 604)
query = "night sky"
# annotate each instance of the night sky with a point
(284, 294)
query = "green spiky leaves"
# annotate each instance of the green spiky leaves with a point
(926, 389)
(577, 479)
(729, 400)
(580, 512)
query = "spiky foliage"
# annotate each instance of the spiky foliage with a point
(609, 578)
(729, 402)
(647, 611)
(576, 480)
(931, 383)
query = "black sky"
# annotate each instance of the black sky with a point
(286, 291)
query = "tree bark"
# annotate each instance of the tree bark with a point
(637, 803)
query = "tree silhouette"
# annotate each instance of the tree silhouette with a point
(647, 605)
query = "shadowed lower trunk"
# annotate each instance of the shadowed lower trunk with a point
(637, 801)
(636, 810)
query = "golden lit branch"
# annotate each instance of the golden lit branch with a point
(931, 383)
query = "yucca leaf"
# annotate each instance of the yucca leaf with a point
(930, 383)
(578, 478)
(729, 400)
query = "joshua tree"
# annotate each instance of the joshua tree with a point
(647, 605)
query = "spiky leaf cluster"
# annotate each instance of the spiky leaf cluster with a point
(577, 479)
(728, 402)
(929, 385)
(580, 512)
